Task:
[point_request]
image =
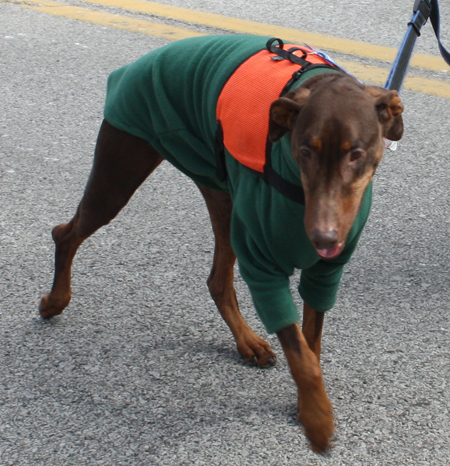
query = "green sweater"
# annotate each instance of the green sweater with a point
(168, 97)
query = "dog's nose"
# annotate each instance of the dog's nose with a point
(327, 239)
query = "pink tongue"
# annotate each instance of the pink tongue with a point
(328, 253)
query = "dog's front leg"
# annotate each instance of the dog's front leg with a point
(312, 328)
(314, 408)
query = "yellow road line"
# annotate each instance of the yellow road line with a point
(366, 73)
(337, 44)
(375, 75)
(107, 19)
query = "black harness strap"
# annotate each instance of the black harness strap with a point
(219, 149)
(286, 54)
(283, 54)
(292, 191)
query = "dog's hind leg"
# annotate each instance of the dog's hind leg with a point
(253, 348)
(121, 163)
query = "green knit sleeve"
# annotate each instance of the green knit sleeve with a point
(268, 284)
(271, 296)
(272, 299)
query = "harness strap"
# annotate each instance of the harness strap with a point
(292, 191)
(286, 54)
(298, 74)
(282, 54)
(219, 148)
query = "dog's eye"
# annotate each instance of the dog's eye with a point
(356, 154)
(305, 152)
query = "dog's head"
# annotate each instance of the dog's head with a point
(336, 127)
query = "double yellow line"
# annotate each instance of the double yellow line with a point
(366, 73)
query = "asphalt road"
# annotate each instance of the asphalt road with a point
(139, 370)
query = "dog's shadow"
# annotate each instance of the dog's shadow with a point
(78, 373)
(204, 380)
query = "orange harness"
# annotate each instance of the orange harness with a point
(243, 106)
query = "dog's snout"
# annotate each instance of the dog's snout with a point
(324, 239)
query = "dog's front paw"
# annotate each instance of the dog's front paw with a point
(49, 307)
(316, 415)
(256, 351)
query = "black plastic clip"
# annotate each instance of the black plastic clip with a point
(421, 10)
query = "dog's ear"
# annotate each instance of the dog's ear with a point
(284, 112)
(389, 108)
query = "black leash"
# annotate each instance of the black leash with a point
(435, 22)
(423, 9)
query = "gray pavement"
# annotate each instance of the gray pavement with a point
(381, 22)
(139, 370)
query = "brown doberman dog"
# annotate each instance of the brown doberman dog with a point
(336, 127)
